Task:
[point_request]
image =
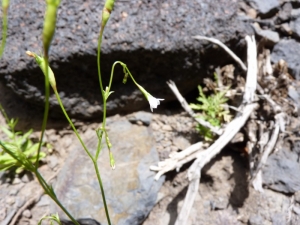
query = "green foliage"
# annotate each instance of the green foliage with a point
(17, 150)
(53, 218)
(212, 110)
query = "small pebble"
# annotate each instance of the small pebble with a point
(17, 180)
(155, 126)
(25, 178)
(13, 192)
(2, 213)
(10, 200)
(27, 213)
(167, 127)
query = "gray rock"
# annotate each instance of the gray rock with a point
(295, 13)
(281, 172)
(270, 37)
(130, 189)
(255, 220)
(144, 117)
(265, 7)
(285, 13)
(278, 219)
(288, 50)
(295, 27)
(152, 37)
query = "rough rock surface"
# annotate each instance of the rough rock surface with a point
(289, 51)
(152, 37)
(130, 189)
(281, 171)
(264, 7)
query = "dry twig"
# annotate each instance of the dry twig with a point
(252, 70)
(231, 53)
(194, 172)
(257, 178)
(188, 109)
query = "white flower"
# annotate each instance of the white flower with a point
(154, 102)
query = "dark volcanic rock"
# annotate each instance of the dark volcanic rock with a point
(266, 7)
(295, 27)
(152, 37)
(281, 172)
(289, 51)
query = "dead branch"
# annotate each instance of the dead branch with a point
(178, 159)
(194, 172)
(231, 53)
(188, 109)
(257, 178)
(252, 70)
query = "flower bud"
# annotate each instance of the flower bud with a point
(112, 160)
(49, 23)
(5, 4)
(109, 145)
(108, 7)
(42, 64)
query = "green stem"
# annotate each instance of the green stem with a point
(103, 123)
(102, 191)
(4, 30)
(46, 111)
(100, 82)
(72, 125)
(112, 73)
(131, 77)
(99, 143)
(48, 191)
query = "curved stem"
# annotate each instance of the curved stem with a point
(131, 77)
(72, 125)
(112, 73)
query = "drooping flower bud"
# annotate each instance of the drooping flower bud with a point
(42, 63)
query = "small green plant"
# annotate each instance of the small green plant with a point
(52, 218)
(19, 144)
(212, 110)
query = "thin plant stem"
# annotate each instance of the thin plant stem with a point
(46, 111)
(103, 123)
(72, 125)
(4, 30)
(131, 77)
(112, 73)
(49, 192)
(100, 78)
(102, 191)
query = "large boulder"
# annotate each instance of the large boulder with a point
(153, 38)
(130, 189)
